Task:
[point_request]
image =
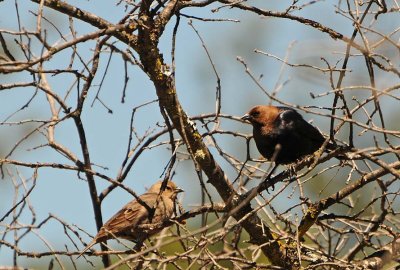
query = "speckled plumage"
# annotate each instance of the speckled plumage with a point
(124, 224)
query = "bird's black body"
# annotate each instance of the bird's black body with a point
(283, 131)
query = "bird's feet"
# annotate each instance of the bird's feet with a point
(268, 178)
(272, 184)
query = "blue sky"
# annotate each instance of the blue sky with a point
(63, 194)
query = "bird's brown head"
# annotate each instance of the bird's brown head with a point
(171, 190)
(261, 115)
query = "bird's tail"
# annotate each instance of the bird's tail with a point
(91, 244)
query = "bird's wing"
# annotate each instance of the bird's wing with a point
(312, 132)
(293, 120)
(132, 214)
(129, 214)
(289, 118)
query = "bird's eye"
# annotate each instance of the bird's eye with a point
(255, 114)
(168, 188)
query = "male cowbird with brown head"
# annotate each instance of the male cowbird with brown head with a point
(151, 208)
(282, 135)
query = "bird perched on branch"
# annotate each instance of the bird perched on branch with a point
(282, 135)
(150, 208)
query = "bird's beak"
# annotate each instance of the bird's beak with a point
(178, 190)
(246, 117)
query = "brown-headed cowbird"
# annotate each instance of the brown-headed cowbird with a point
(153, 208)
(281, 132)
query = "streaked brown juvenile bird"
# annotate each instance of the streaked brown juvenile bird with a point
(283, 131)
(125, 223)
